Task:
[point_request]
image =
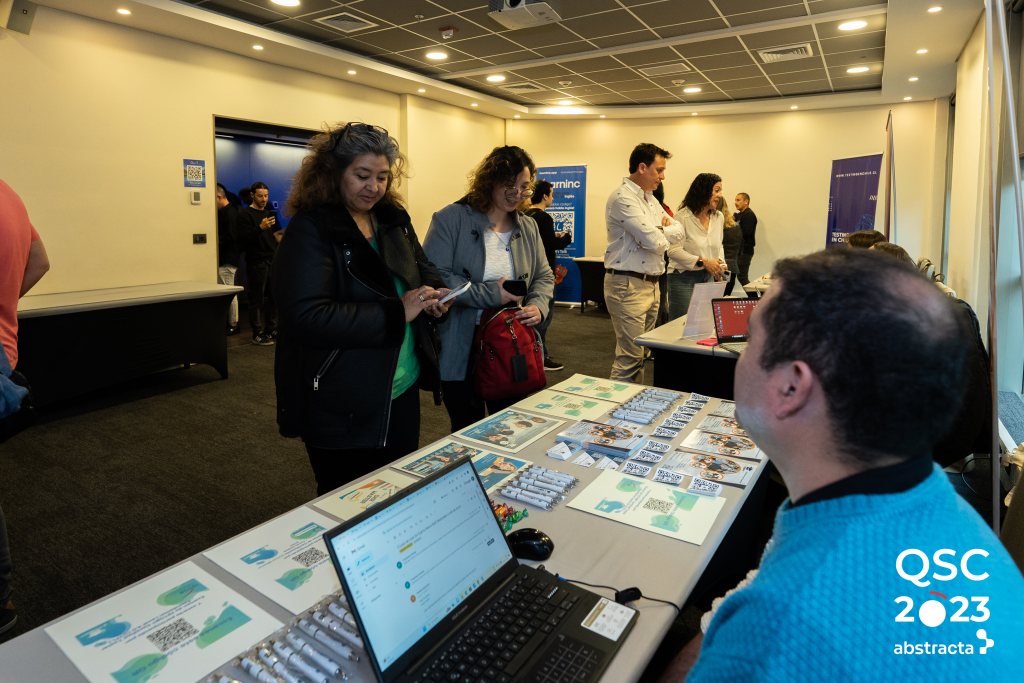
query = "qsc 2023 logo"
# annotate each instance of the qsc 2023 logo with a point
(932, 612)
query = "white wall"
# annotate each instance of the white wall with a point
(782, 161)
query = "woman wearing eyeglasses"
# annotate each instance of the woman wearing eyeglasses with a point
(358, 304)
(483, 239)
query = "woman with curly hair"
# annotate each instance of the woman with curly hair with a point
(482, 239)
(357, 303)
(698, 257)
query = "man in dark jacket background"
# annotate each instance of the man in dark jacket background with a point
(748, 224)
(259, 235)
(228, 251)
(543, 196)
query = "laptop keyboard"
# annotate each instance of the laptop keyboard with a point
(737, 348)
(567, 661)
(504, 636)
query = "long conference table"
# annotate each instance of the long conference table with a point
(587, 548)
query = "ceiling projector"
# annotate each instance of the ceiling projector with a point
(524, 13)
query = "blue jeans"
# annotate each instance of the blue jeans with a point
(680, 290)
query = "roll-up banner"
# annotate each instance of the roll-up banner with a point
(569, 212)
(852, 196)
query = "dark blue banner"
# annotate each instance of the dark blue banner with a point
(852, 196)
(569, 211)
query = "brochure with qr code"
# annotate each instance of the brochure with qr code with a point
(722, 425)
(510, 430)
(714, 468)
(606, 389)
(563, 404)
(180, 624)
(285, 559)
(649, 505)
(359, 497)
(722, 444)
(435, 456)
(616, 439)
(725, 409)
(495, 470)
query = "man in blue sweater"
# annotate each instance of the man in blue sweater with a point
(877, 569)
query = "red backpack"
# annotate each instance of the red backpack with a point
(510, 361)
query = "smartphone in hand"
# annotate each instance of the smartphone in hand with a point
(515, 287)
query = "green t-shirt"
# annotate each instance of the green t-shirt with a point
(408, 363)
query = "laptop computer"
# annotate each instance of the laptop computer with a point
(731, 318)
(439, 596)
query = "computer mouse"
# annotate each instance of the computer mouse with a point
(531, 544)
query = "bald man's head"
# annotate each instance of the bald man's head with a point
(885, 344)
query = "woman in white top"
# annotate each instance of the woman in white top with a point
(698, 257)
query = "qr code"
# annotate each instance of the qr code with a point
(175, 633)
(564, 220)
(662, 506)
(194, 173)
(310, 557)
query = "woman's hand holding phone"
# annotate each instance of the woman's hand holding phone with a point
(507, 297)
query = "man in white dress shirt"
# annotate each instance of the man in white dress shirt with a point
(639, 233)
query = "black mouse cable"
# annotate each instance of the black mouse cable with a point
(623, 596)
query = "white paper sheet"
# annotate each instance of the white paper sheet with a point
(285, 559)
(700, 320)
(593, 387)
(181, 624)
(710, 467)
(567, 405)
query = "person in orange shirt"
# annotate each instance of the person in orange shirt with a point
(23, 262)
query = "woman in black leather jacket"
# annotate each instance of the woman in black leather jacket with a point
(358, 303)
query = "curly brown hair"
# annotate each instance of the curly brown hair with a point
(501, 167)
(318, 180)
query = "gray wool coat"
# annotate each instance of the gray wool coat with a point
(455, 245)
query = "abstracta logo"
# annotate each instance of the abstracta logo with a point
(932, 612)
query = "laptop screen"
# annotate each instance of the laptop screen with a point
(410, 564)
(731, 317)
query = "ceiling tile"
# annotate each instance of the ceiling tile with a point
(709, 96)
(830, 29)
(485, 46)
(468, 64)
(542, 95)
(460, 5)
(570, 9)
(586, 91)
(306, 7)
(354, 45)
(752, 93)
(741, 83)
(582, 66)
(379, 24)
(300, 29)
(624, 38)
(566, 49)
(845, 87)
(740, 6)
(481, 17)
(630, 86)
(546, 71)
(511, 57)
(244, 11)
(431, 28)
(691, 27)
(397, 12)
(849, 43)
(542, 36)
(669, 12)
(874, 70)
(716, 46)
(454, 56)
(510, 78)
(804, 87)
(854, 58)
(604, 24)
(790, 65)
(647, 92)
(799, 77)
(767, 15)
(734, 73)
(397, 40)
(575, 80)
(821, 6)
(611, 98)
(851, 81)
(401, 60)
(653, 56)
(786, 36)
(722, 61)
(612, 75)
(689, 79)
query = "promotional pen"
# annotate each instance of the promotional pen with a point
(257, 671)
(221, 679)
(336, 628)
(293, 658)
(326, 663)
(552, 488)
(556, 475)
(277, 665)
(322, 636)
(511, 494)
(540, 493)
(341, 613)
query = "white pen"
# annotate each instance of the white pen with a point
(555, 488)
(542, 493)
(293, 658)
(512, 494)
(556, 477)
(554, 473)
(257, 671)
(552, 481)
(342, 613)
(321, 636)
(337, 628)
(219, 678)
(323, 661)
(277, 665)
(527, 496)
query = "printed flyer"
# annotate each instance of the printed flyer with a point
(598, 388)
(285, 559)
(435, 456)
(561, 404)
(725, 409)
(722, 444)
(710, 467)
(495, 469)
(509, 430)
(367, 493)
(659, 508)
(722, 425)
(181, 625)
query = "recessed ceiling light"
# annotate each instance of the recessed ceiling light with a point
(906, 98)
(436, 55)
(286, 3)
(857, 70)
(566, 103)
(421, 90)
(257, 47)
(921, 52)
(351, 73)
(125, 12)
(852, 25)
(793, 107)
(691, 89)
(693, 114)
(913, 79)
(474, 105)
(516, 116)
(495, 79)
(934, 9)
(602, 116)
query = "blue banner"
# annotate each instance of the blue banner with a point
(852, 196)
(569, 211)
